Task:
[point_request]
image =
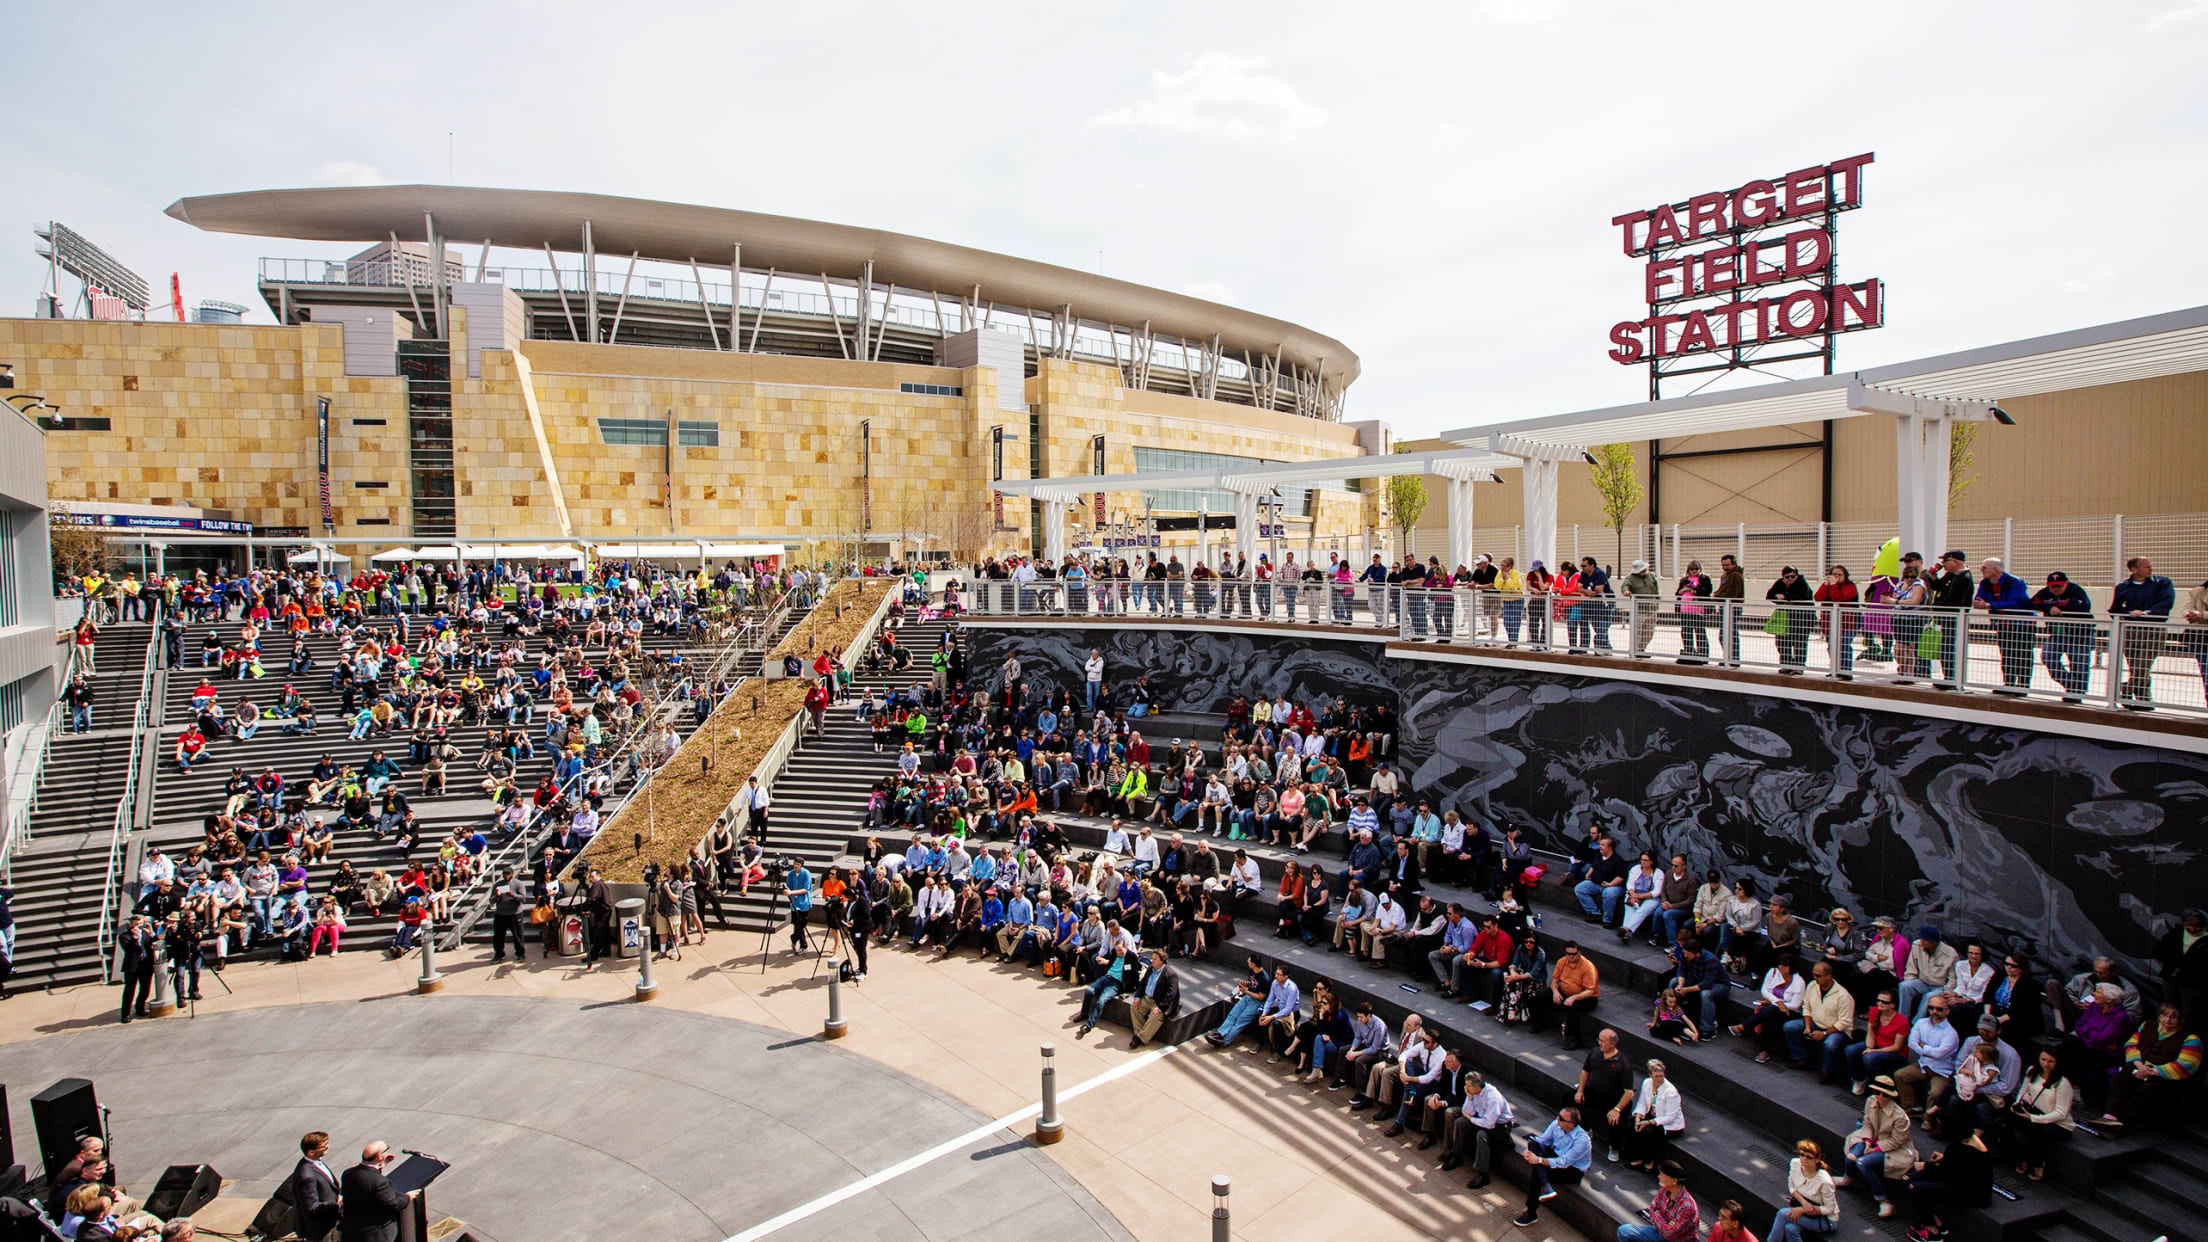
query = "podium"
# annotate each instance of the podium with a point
(413, 1174)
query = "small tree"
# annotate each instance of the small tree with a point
(1617, 479)
(76, 548)
(1962, 438)
(1405, 497)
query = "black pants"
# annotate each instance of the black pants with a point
(1572, 1012)
(502, 926)
(798, 921)
(1542, 1177)
(601, 942)
(137, 986)
(858, 949)
(709, 898)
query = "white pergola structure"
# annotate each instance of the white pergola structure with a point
(1246, 485)
(1924, 398)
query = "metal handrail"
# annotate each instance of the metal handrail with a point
(474, 899)
(126, 805)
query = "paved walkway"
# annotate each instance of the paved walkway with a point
(1145, 1145)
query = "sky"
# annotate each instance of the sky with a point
(1432, 184)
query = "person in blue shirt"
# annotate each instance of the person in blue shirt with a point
(1106, 985)
(992, 920)
(797, 885)
(1019, 920)
(1559, 1157)
(2004, 596)
(1375, 576)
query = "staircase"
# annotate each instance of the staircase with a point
(820, 797)
(57, 878)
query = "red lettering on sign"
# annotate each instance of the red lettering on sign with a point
(1705, 215)
(1696, 335)
(1626, 336)
(1720, 270)
(1663, 227)
(1809, 250)
(1625, 224)
(1864, 299)
(1755, 203)
(1661, 273)
(1805, 191)
(1811, 298)
(1848, 174)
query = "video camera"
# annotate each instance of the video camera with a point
(651, 875)
(781, 865)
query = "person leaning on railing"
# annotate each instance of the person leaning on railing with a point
(2067, 646)
(2145, 600)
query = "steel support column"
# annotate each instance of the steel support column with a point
(1245, 524)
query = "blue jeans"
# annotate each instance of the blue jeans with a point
(264, 913)
(1864, 1066)
(1101, 993)
(1673, 921)
(1836, 1048)
(80, 718)
(1914, 994)
(1093, 687)
(1239, 1018)
(1711, 998)
(1639, 1233)
(1869, 1168)
(1611, 897)
(1784, 1230)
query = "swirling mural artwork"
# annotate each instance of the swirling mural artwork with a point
(2054, 846)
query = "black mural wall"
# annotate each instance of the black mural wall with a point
(2055, 846)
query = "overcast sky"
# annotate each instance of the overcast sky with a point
(1432, 184)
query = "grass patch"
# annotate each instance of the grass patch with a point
(837, 619)
(682, 802)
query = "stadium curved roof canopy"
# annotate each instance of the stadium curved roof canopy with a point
(689, 233)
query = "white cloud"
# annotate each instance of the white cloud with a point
(2195, 11)
(1210, 291)
(348, 172)
(1520, 12)
(1218, 96)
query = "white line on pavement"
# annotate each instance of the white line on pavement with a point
(940, 1150)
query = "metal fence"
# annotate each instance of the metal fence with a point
(2094, 661)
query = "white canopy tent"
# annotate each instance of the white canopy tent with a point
(685, 551)
(318, 556)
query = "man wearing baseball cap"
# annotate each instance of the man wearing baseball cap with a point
(2002, 595)
(1642, 592)
(2067, 649)
(1952, 593)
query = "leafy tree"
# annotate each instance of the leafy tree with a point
(1617, 479)
(1405, 498)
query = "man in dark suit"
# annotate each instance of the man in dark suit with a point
(139, 963)
(1159, 999)
(314, 1199)
(1403, 874)
(369, 1208)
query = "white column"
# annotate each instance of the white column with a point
(1908, 465)
(1054, 530)
(1540, 525)
(1461, 537)
(1245, 525)
(1932, 484)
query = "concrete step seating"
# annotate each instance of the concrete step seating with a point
(1738, 1140)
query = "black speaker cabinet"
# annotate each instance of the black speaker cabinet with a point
(64, 1113)
(183, 1190)
(277, 1217)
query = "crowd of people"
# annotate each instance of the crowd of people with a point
(1911, 617)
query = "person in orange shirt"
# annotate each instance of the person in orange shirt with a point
(1566, 594)
(1574, 987)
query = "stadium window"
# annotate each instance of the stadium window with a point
(932, 390)
(375, 485)
(643, 432)
(690, 434)
(371, 521)
(371, 422)
(75, 423)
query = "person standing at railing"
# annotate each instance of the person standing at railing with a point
(1375, 578)
(2067, 649)
(2006, 599)
(2144, 600)
(1537, 584)
(1732, 587)
(1953, 592)
(2196, 640)
(1694, 616)
(1641, 591)
(1789, 626)
(1840, 618)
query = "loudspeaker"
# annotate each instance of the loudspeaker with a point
(64, 1113)
(277, 1217)
(183, 1190)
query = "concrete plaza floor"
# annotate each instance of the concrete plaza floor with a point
(1144, 1145)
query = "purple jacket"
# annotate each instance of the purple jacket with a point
(2104, 1030)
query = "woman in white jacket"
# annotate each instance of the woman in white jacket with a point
(1658, 1118)
(1812, 1204)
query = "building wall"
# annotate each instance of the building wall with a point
(222, 417)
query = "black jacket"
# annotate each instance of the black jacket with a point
(2182, 967)
(371, 1208)
(1168, 995)
(314, 1199)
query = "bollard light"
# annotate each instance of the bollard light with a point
(430, 980)
(646, 989)
(163, 1001)
(1049, 1127)
(1219, 1224)
(835, 1027)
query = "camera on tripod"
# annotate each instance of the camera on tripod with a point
(781, 865)
(651, 875)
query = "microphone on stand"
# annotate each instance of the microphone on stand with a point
(423, 1154)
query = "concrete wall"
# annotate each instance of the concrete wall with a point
(27, 648)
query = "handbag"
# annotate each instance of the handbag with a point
(1928, 643)
(540, 915)
(1776, 625)
(1051, 968)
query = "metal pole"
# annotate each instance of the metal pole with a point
(163, 1002)
(1740, 545)
(646, 989)
(2008, 544)
(1220, 1229)
(1049, 1127)
(430, 980)
(836, 1027)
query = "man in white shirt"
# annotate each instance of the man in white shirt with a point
(1376, 1081)
(1243, 881)
(1485, 1121)
(155, 868)
(1146, 853)
(1093, 673)
(1349, 924)
(1386, 927)
(1421, 1064)
(755, 800)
